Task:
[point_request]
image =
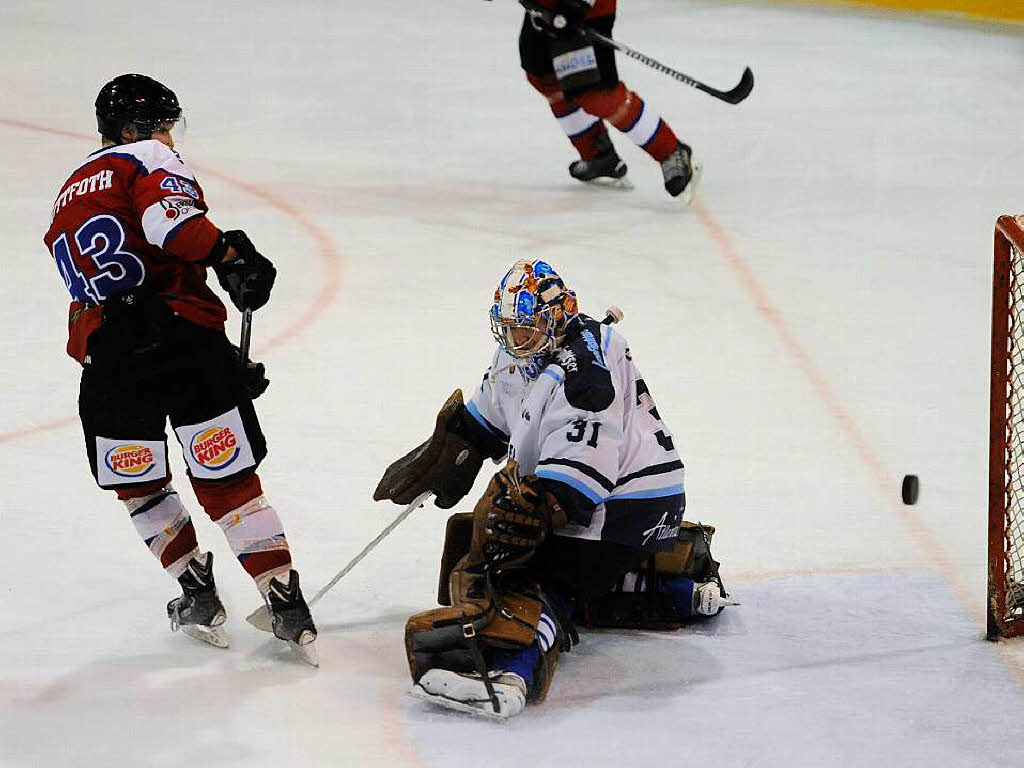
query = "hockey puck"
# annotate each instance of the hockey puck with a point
(911, 486)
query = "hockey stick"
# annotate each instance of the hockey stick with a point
(733, 96)
(260, 618)
(243, 346)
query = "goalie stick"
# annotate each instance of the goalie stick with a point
(260, 618)
(732, 96)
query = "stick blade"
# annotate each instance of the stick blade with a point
(742, 89)
(260, 618)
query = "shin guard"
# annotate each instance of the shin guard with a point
(164, 525)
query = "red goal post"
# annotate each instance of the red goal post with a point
(1006, 434)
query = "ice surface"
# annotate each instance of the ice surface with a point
(814, 329)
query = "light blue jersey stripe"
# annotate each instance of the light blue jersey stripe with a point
(558, 379)
(654, 493)
(572, 482)
(475, 413)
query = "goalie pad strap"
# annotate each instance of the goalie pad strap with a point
(443, 638)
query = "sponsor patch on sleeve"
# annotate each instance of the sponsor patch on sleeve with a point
(216, 448)
(167, 213)
(119, 462)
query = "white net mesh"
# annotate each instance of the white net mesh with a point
(1012, 565)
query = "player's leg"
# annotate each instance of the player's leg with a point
(497, 646)
(123, 423)
(610, 99)
(223, 444)
(669, 589)
(586, 132)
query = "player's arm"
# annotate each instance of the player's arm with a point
(173, 213)
(450, 459)
(582, 428)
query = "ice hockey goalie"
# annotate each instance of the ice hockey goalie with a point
(583, 524)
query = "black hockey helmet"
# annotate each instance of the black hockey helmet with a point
(135, 99)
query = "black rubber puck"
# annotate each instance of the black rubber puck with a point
(911, 486)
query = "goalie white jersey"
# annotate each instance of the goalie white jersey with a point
(587, 425)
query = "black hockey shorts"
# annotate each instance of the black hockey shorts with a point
(194, 379)
(583, 568)
(537, 49)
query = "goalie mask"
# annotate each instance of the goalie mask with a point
(531, 309)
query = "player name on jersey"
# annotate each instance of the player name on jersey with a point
(96, 183)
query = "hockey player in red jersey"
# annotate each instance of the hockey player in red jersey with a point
(583, 523)
(581, 84)
(131, 238)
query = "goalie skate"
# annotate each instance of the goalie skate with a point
(199, 612)
(466, 692)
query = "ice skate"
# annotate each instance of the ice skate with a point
(466, 692)
(682, 173)
(290, 618)
(604, 169)
(199, 613)
(709, 600)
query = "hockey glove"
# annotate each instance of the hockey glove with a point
(513, 518)
(556, 24)
(249, 277)
(574, 11)
(446, 464)
(254, 375)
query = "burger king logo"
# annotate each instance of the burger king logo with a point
(129, 460)
(214, 447)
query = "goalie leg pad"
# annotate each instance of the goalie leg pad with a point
(668, 590)
(458, 538)
(463, 637)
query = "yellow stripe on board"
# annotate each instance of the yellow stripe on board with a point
(1007, 10)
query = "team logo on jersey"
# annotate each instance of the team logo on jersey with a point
(129, 460)
(663, 529)
(176, 206)
(214, 447)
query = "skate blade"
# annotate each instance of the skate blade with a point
(305, 648)
(215, 635)
(686, 196)
(260, 618)
(479, 709)
(610, 183)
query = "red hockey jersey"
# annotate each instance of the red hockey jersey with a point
(600, 7)
(132, 214)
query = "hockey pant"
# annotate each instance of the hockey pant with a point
(581, 112)
(193, 379)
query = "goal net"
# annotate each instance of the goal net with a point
(1006, 434)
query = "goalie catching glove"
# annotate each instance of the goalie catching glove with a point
(513, 517)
